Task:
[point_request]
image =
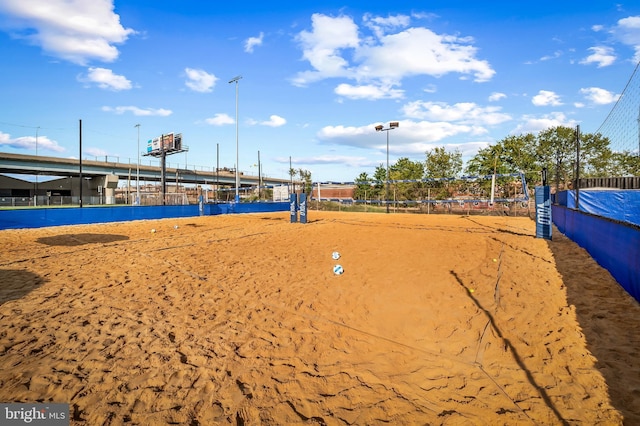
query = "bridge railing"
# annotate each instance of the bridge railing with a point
(153, 162)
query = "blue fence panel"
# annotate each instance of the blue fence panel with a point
(614, 245)
(38, 218)
(622, 205)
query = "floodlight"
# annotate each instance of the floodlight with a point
(394, 124)
(379, 127)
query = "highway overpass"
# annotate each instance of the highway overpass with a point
(55, 166)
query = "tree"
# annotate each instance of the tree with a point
(405, 169)
(305, 177)
(513, 154)
(379, 178)
(292, 175)
(626, 164)
(363, 189)
(440, 163)
(596, 158)
(556, 151)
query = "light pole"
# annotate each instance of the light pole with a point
(138, 169)
(35, 197)
(235, 80)
(381, 128)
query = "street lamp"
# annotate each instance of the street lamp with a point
(138, 169)
(235, 80)
(381, 128)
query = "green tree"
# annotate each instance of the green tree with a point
(556, 151)
(363, 190)
(292, 175)
(441, 163)
(513, 154)
(379, 186)
(626, 163)
(596, 158)
(305, 177)
(405, 169)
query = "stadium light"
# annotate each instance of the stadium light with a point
(235, 80)
(381, 128)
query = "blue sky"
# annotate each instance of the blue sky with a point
(315, 79)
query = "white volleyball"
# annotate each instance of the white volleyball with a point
(338, 270)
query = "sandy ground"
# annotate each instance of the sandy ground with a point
(240, 320)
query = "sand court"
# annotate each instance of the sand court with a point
(239, 319)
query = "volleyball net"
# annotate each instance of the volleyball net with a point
(467, 191)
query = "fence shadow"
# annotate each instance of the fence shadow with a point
(80, 239)
(17, 283)
(608, 317)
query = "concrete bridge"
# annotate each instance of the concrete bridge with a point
(55, 166)
(102, 177)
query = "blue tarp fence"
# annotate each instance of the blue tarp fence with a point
(598, 228)
(38, 218)
(622, 205)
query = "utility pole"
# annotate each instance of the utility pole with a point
(35, 196)
(577, 167)
(235, 80)
(217, 172)
(80, 131)
(138, 169)
(259, 176)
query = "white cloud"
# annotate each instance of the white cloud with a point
(334, 48)
(602, 56)
(628, 32)
(599, 96)
(496, 96)
(380, 25)
(75, 30)
(220, 119)
(368, 91)
(463, 112)
(546, 98)
(96, 152)
(332, 160)
(274, 121)
(420, 51)
(427, 131)
(322, 46)
(555, 55)
(535, 124)
(409, 138)
(200, 80)
(430, 88)
(28, 143)
(161, 112)
(252, 42)
(106, 79)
